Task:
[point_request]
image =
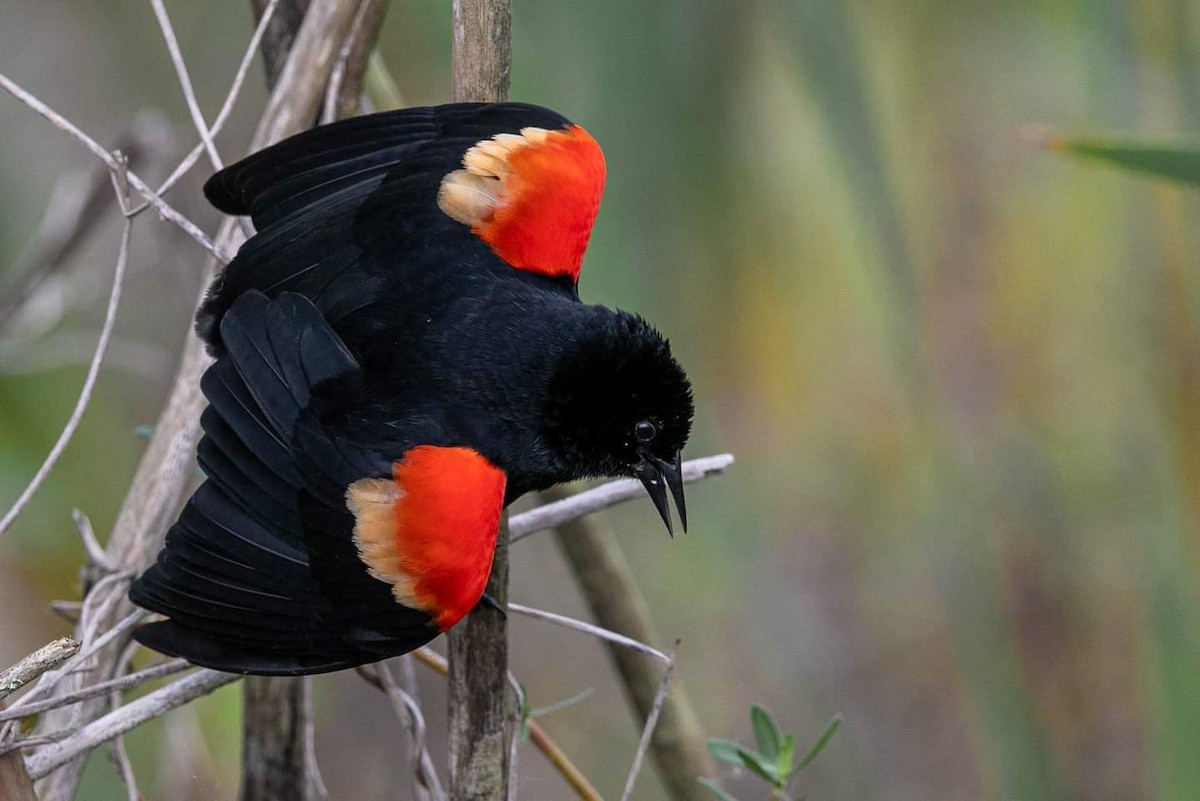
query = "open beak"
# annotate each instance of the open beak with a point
(659, 477)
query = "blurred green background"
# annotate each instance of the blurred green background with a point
(961, 377)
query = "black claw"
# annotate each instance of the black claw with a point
(487, 600)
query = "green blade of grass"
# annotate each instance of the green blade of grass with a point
(1174, 161)
(820, 746)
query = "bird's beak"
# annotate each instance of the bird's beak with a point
(660, 477)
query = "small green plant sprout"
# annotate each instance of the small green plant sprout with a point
(775, 760)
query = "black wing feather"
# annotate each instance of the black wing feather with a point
(305, 169)
(335, 205)
(260, 573)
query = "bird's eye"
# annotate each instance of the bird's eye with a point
(645, 431)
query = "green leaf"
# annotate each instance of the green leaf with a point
(716, 790)
(1175, 161)
(725, 751)
(758, 764)
(766, 733)
(824, 741)
(787, 755)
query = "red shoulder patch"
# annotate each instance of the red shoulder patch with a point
(531, 197)
(430, 530)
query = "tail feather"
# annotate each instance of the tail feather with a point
(174, 639)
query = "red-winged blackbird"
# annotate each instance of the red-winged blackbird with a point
(400, 352)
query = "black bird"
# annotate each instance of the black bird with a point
(400, 352)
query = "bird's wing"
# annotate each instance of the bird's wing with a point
(303, 552)
(479, 185)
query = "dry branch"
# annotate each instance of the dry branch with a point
(306, 72)
(89, 383)
(45, 658)
(588, 628)
(570, 507)
(277, 751)
(480, 708)
(126, 682)
(537, 735)
(165, 210)
(344, 96)
(408, 710)
(280, 33)
(268, 15)
(185, 83)
(128, 717)
(166, 468)
(660, 697)
(607, 583)
(278, 759)
(482, 50)
(15, 784)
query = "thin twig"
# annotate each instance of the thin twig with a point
(120, 757)
(608, 585)
(89, 383)
(556, 513)
(50, 680)
(103, 597)
(73, 212)
(67, 610)
(588, 628)
(91, 545)
(345, 95)
(519, 701)
(322, 32)
(280, 35)
(409, 712)
(165, 210)
(167, 465)
(537, 735)
(227, 107)
(126, 682)
(116, 748)
(185, 82)
(337, 75)
(45, 658)
(128, 717)
(651, 722)
(189, 93)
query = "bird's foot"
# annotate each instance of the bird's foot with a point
(487, 600)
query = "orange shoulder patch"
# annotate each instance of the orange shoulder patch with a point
(531, 197)
(430, 530)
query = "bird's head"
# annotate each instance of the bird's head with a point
(620, 405)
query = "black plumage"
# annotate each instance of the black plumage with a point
(359, 323)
